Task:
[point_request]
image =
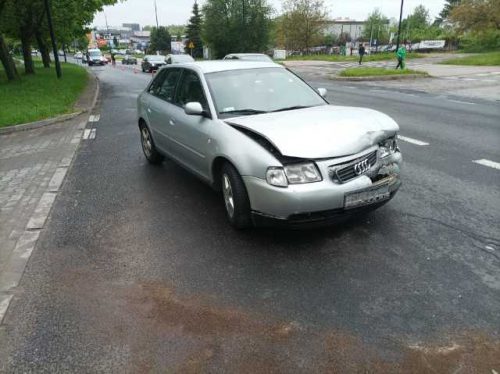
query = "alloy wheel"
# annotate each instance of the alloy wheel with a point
(228, 195)
(146, 141)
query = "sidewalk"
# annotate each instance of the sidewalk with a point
(33, 165)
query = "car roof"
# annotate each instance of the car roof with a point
(225, 65)
(246, 54)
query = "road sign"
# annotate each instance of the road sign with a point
(191, 45)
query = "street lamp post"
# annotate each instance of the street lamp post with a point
(399, 26)
(53, 39)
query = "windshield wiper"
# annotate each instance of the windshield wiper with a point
(243, 111)
(292, 108)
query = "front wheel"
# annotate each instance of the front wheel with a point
(148, 146)
(235, 198)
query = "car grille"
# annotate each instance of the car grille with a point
(345, 172)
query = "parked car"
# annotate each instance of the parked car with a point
(152, 63)
(272, 144)
(248, 57)
(78, 55)
(95, 57)
(129, 60)
(178, 59)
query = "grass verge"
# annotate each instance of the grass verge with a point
(338, 58)
(40, 96)
(370, 72)
(484, 59)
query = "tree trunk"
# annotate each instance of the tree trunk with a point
(7, 62)
(29, 68)
(44, 50)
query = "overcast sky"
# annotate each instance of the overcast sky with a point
(178, 11)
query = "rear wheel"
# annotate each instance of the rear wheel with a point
(235, 197)
(148, 146)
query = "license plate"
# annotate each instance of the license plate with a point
(366, 196)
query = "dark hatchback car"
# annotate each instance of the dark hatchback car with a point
(151, 63)
(129, 60)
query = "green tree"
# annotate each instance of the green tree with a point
(415, 24)
(6, 59)
(303, 23)
(160, 40)
(176, 29)
(236, 26)
(376, 27)
(445, 13)
(193, 32)
(26, 21)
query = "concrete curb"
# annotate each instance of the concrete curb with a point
(380, 77)
(53, 120)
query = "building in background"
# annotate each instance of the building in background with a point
(339, 26)
(132, 26)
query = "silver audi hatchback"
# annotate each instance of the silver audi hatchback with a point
(273, 145)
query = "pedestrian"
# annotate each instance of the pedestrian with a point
(401, 54)
(361, 52)
(113, 60)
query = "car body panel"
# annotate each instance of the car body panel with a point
(248, 57)
(326, 135)
(334, 130)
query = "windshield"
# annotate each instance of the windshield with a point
(251, 91)
(156, 58)
(182, 58)
(255, 58)
(95, 53)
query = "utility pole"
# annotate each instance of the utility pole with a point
(399, 25)
(53, 39)
(156, 14)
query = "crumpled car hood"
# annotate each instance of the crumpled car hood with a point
(320, 132)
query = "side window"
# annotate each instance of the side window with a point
(190, 89)
(167, 88)
(156, 84)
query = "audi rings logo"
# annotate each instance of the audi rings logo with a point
(362, 167)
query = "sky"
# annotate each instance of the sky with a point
(178, 11)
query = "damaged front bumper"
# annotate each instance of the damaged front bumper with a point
(327, 201)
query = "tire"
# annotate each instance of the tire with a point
(148, 147)
(235, 198)
(142, 67)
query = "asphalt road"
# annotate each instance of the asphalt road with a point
(138, 270)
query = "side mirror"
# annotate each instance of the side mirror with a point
(193, 109)
(322, 92)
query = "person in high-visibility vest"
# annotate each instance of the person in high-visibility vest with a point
(401, 54)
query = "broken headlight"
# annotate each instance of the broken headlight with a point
(388, 147)
(293, 174)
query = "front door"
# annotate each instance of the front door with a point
(161, 107)
(190, 133)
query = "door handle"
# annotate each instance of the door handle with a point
(171, 122)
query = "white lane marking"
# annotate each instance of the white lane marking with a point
(376, 90)
(461, 102)
(94, 118)
(57, 179)
(491, 164)
(42, 211)
(4, 304)
(86, 134)
(351, 87)
(92, 134)
(412, 141)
